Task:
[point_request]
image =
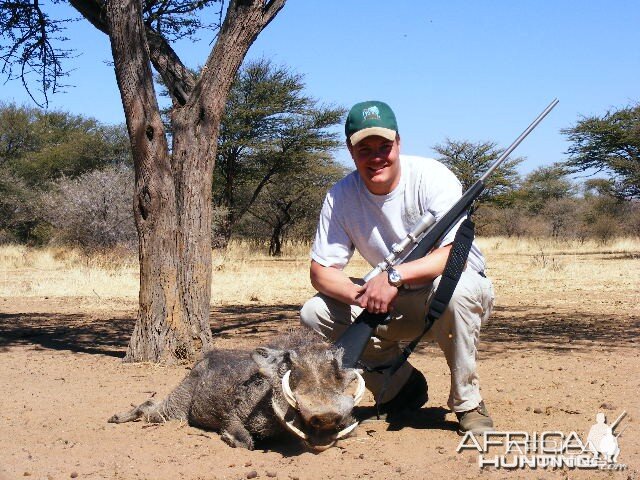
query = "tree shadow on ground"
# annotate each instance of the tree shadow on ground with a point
(76, 332)
(253, 321)
(514, 328)
(535, 328)
(107, 335)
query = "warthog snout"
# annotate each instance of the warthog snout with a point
(316, 389)
(325, 421)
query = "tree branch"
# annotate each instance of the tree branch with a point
(30, 34)
(245, 19)
(265, 179)
(178, 79)
(271, 9)
(135, 81)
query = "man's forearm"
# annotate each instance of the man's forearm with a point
(425, 269)
(333, 283)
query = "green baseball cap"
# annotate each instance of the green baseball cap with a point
(370, 118)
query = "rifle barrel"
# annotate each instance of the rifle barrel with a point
(618, 420)
(518, 140)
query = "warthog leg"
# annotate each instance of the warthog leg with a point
(235, 434)
(149, 410)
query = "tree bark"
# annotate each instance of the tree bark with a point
(172, 204)
(195, 133)
(161, 332)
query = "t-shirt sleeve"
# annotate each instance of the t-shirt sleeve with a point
(332, 245)
(445, 190)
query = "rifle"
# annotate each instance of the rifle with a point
(419, 242)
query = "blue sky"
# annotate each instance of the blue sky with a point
(474, 70)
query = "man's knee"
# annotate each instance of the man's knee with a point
(469, 290)
(466, 302)
(310, 313)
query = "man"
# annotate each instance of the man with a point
(370, 210)
(602, 441)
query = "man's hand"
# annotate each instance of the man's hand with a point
(377, 295)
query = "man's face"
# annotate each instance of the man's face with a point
(378, 163)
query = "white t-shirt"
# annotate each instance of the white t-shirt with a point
(354, 218)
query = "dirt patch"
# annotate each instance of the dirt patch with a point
(561, 346)
(542, 368)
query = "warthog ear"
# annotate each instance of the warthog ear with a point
(271, 361)
(338, 353)
(334, 356)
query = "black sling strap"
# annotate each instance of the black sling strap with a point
(450, 277)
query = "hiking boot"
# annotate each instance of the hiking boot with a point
(412, 396)
(476, 421)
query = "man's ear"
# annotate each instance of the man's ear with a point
(350, 147)
(398, 139)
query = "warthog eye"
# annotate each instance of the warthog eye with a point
(263, 352)
(337, 370)
(282, 369)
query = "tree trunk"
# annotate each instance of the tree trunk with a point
(275, 243)
(161, 332)
(226, 227)
(172, 204)
(193, 174)
(195, 128)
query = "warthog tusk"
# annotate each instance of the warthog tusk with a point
(357, 397)
(296, 430)
(286, 389)
(289, 424)
(346, 431)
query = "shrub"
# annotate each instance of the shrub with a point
(93, 210)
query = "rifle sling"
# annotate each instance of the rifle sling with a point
(450, 277)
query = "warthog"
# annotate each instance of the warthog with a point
(296, 385)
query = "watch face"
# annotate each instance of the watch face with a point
(394, 278)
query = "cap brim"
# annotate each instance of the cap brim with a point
(373, 131)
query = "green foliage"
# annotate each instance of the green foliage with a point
(541, 186)
(470, 160)
(595, 214)
(270, 130)
(609, 144)
(289, 205)
(18, 132)
(19, 207)
(38, 146)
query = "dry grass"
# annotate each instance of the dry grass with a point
(65, 272)
(245, 274)
(529, 246)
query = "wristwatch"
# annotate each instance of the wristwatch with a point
(395, 278)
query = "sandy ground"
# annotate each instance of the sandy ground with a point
(547, 363)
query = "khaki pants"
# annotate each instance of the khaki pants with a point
(457, 332)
